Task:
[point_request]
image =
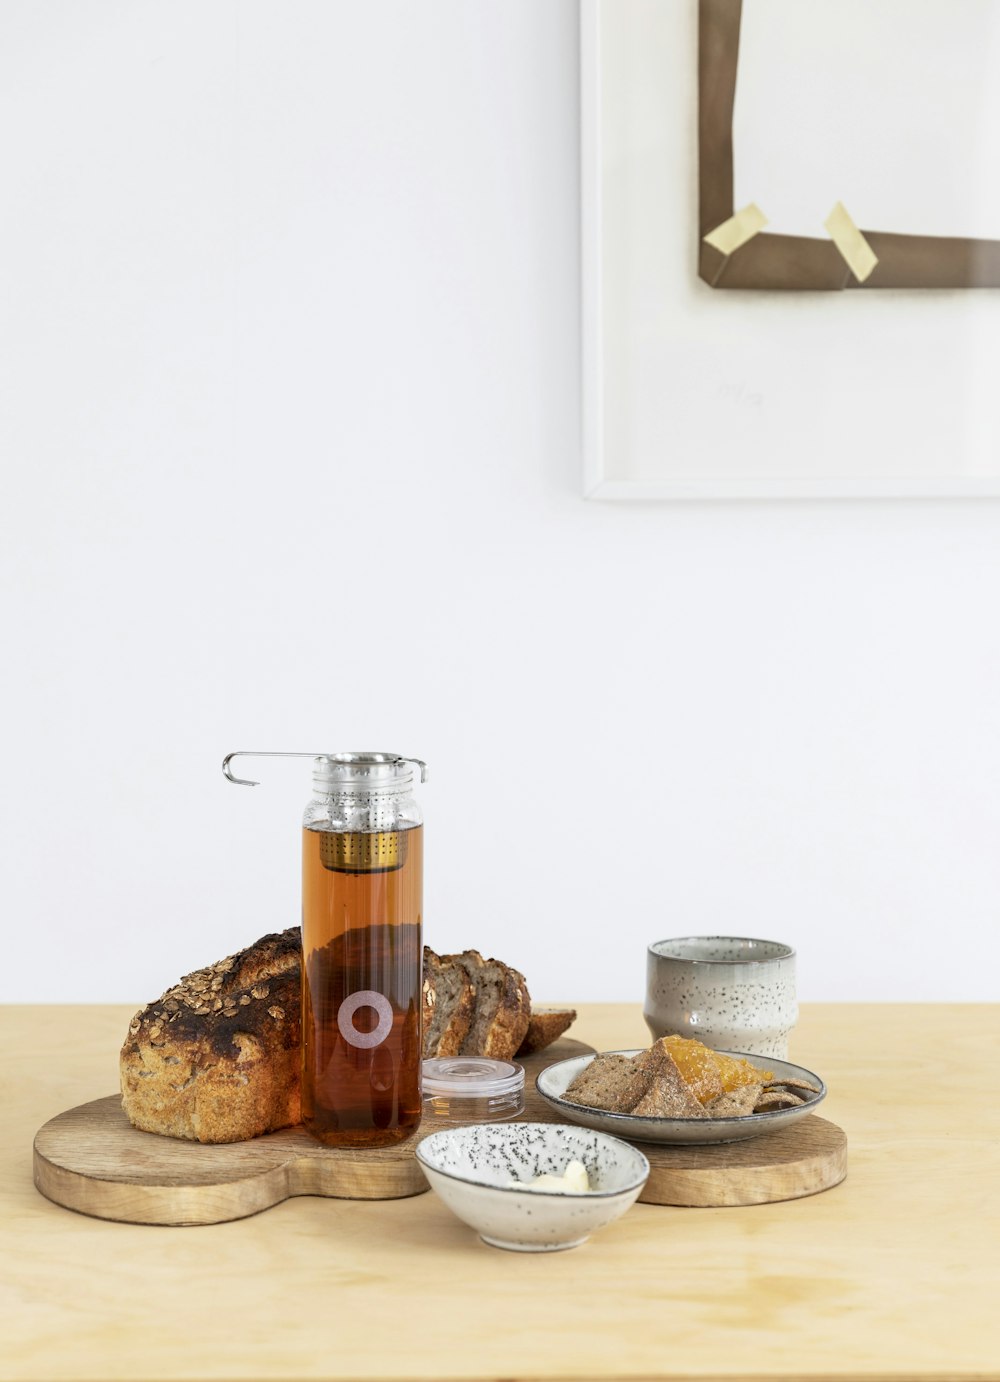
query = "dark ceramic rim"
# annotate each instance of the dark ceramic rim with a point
(638, 1183)
(742, 1119)
(784, 952)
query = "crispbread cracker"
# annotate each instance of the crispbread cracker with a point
(667, 1096)
(737, 1103)
(778, 1098)
(791, 1083)
(697, 1065)
(611, 1082)
(680, 1077)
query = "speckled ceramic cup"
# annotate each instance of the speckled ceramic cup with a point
(731, 992)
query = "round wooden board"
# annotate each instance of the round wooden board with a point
(92, 1160)
(808, 1156)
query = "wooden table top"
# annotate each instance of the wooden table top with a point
(893, 1274)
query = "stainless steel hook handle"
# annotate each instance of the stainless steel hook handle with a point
(271, 753)
(257, 753)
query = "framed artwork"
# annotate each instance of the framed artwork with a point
(798, 74)
(752, 172)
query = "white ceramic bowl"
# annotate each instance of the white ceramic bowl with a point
(472, 1168)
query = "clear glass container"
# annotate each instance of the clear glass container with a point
(362, 903)
(362, 951)
(472, 1089)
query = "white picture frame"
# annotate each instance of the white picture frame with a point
(694, 394)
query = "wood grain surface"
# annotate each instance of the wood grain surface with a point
(893, 1275)
(808, 1156)
(90, 1159)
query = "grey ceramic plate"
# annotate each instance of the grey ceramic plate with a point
(553, 1082)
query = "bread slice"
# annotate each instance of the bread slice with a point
(545, 1026)
(216, 1059)
(448, 1003)
(502, 1007)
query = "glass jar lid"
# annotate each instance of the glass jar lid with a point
(471, 1077)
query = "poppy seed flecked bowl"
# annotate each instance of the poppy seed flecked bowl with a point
(472, 1170)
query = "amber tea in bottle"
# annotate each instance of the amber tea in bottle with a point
(362, 971)
(362, 951)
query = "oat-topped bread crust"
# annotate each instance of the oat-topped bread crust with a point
(217, 1058)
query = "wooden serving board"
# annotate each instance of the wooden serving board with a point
(92, 1160)
(801, 1159)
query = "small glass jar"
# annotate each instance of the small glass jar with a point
(472, 1089)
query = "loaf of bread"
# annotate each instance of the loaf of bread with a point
(216, 1059)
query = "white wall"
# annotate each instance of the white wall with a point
(291, 458)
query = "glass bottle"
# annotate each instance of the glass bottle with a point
(362, 949)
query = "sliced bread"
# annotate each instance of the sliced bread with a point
(502, 1006)
(448, 1003)
(545, 1027)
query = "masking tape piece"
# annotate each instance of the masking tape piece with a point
(854, 249)
(741, 227)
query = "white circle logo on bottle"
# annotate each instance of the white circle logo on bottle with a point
(365, 998)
